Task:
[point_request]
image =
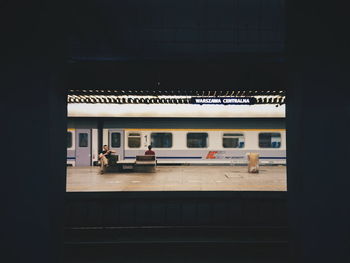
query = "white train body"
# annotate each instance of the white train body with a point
(179, 145)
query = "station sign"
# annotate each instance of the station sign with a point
(224, 100)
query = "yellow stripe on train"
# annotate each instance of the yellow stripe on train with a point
(176, 129)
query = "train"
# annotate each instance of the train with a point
(177, 140)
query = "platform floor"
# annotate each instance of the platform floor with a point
(179, 178)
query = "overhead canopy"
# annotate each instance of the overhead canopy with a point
(174, 111)
(176, 96)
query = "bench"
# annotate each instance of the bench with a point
(145, 163)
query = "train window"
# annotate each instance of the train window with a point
(83, 140)
(115, 139)
(197, 140)
(269, 140)
(162, 140)
(134, 140)
(69, 140)
(233, 140)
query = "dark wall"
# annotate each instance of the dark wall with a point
(33, 163)
(317, 107)
(176, 208)
(176, 45)
(242, 72)
(33, 130)
(119, 30)
(33, 181)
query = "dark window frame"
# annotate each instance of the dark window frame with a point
(87, 140)
(120, 136)
(70, 144)
(230, 136)
(134, 136)
(207, 140)
(280, 136)
(171, 136)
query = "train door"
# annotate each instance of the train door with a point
(83, 147)
(71, 147)
(116, 142)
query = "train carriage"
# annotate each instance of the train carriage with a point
(178, 140)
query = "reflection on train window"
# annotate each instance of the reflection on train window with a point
(269, 140)
(134, 140)
(162, 140)
(233, 140)
(197, 140)
(69, 139)
(115, 139)
(83, 140)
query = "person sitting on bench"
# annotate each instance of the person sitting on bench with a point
(104, 157)
(150, 152)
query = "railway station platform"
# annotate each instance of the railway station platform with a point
(179, 178)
